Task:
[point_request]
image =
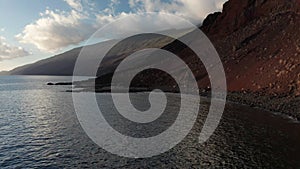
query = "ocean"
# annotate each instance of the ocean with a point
(39, 129)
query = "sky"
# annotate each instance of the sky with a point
(38, 29)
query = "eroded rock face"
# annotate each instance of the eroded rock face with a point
(237, 14)
(258, 41)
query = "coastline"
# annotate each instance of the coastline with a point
(285, 105)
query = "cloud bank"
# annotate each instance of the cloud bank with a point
(75, 4)
(193, 10)
(56, 30)
(8, 51)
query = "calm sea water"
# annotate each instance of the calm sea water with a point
(39, 129)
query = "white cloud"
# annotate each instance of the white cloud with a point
(75, 4)
(193, 10)
(56, 30)
(8, 51)
(219, 4)
(132, 23)
(2, 29)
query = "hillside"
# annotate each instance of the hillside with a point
(63, 64)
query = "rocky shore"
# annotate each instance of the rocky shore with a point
(286, 105)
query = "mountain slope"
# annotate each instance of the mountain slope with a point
(62, 64)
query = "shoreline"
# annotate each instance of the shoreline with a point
(280, 105)
(286, 105)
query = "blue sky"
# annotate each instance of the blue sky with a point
(37, 29)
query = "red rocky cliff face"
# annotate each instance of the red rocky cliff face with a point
(259, 44)
(237, 14)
